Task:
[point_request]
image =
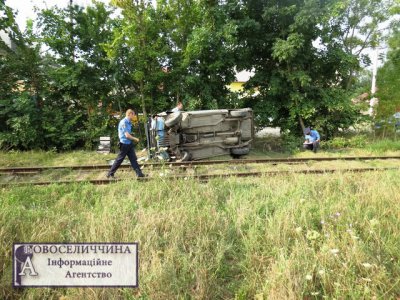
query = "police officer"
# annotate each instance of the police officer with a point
(312, 139)
(126, 145)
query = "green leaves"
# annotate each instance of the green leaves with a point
(306, 56)
(388, 80)
(286, 50)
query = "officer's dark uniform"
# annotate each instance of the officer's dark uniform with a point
(126, 149)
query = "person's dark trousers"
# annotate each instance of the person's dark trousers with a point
(126, 150)
(314, 146)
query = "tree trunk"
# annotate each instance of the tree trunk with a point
(302, 123)
(143, 100)
(349, 80)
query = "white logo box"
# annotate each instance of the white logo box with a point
(75, 265)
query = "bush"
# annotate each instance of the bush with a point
(357, 141)
(19, 120)
(284, 143)
(291, 143)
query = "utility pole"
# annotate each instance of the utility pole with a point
(373, 101)
(374, 71)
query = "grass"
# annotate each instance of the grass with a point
(356, 145)
(384, 146)
(169, 171)
(269, 147)
(285, 237)
(43, 158)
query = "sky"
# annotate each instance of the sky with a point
(26, 11)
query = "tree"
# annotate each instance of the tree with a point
(82, 77)
(179, 20)
(205, 57)
(59, 98)
(177, 51)
(388, 79)
(21, 86)
(140, 41)
(355, 26)
(300, 63)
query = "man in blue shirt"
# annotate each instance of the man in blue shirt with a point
(312, 139)
(126, 140)
(158, 126)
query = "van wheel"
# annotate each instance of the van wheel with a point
(173, 119)
(238, 152)
(238, 113)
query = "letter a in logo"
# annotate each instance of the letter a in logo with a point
(23, 265)
(28, 265)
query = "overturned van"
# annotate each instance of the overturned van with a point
(194, 135)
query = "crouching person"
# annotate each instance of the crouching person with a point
(127, 147)
(312, 139)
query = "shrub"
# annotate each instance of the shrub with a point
(357, 141)
(291, 143)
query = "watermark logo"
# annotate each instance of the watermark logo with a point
(75, 265)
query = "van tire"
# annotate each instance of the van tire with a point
(238, 152)
(173, 119)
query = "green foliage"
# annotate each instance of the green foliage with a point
(291, 143)
(83, 76)
(388, 79)
(306, 55)
(176, 51)
(139, 37)
(336, 112)
(19, 117)
(301, 83)
(286, 143)
(60, 128)
(61, 88)
(20, 89)
(357, 141)
(97, 124)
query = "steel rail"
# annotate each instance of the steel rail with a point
(204, 177)
(17, 170)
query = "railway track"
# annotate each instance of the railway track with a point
(189, 164)
(206, 177)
